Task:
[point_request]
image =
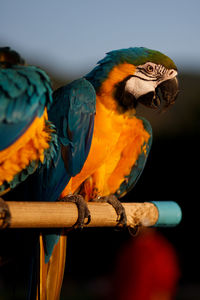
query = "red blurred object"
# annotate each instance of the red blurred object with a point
(147, 269)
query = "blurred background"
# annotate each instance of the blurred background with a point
(66, 38)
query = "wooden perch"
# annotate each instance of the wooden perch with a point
(62, 214)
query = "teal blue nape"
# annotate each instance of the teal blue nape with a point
(133, 55)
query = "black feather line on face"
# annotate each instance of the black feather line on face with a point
(125, 100)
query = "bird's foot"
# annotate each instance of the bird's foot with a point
(116, 204)
(83, 211)
(4, 214)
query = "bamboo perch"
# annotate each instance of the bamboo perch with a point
(62, 214)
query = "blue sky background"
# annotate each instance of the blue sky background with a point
(70, 36)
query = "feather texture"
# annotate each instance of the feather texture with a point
(137, 169)
(25, 92)
(72, 114)
(51, 273)
(135, 56)
(75, 105)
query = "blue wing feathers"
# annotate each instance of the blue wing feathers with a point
(75, 104)
(28, 84)
(73, 118)
(24, 93)
(72, 113)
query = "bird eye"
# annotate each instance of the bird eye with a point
(149, 68)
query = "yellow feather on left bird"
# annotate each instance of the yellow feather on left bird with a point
(29, 147)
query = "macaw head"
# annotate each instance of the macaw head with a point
(9, 57)
(136, 75)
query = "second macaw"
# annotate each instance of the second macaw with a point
(27, 139)
(102, 143)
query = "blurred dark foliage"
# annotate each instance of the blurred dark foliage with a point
(171, 173)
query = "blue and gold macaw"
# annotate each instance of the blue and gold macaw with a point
(27, 139)
(102, 145)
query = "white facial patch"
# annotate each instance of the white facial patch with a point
(138, 87)
(147, 77)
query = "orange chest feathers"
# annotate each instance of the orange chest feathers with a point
(116, 144)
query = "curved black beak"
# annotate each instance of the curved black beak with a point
(167, 90)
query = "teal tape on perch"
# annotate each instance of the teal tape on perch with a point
(169, 213)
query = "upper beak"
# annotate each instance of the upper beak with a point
(167, 90)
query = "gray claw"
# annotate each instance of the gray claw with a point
(116, 204)
(83, 211)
